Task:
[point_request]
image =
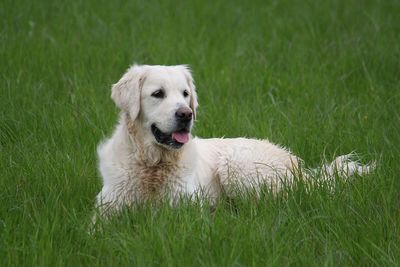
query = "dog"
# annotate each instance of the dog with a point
(152, 154)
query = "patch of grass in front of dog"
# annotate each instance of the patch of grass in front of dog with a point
(321, 78)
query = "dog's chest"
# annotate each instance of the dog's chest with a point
(158, 179)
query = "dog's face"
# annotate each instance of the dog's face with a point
(163, 98)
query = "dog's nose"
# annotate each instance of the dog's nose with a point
(184, 114)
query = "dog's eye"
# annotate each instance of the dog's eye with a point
(185, 93)
(158, 94)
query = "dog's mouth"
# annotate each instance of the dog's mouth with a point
(174, 140)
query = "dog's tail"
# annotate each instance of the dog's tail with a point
(344, 166)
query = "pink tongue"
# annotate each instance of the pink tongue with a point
(181, 137)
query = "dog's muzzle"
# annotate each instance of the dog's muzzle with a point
(178, 138)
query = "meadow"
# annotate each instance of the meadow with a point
(319, 77)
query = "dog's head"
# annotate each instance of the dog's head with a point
(163, 98)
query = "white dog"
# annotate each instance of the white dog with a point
(152, 153)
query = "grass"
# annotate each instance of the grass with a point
(322, 78)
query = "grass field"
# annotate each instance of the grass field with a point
(320, 77)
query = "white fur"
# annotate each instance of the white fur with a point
(135, 167)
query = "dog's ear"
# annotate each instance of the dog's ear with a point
(193, 94)
(126, 92)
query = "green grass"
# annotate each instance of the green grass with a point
(320, 77)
